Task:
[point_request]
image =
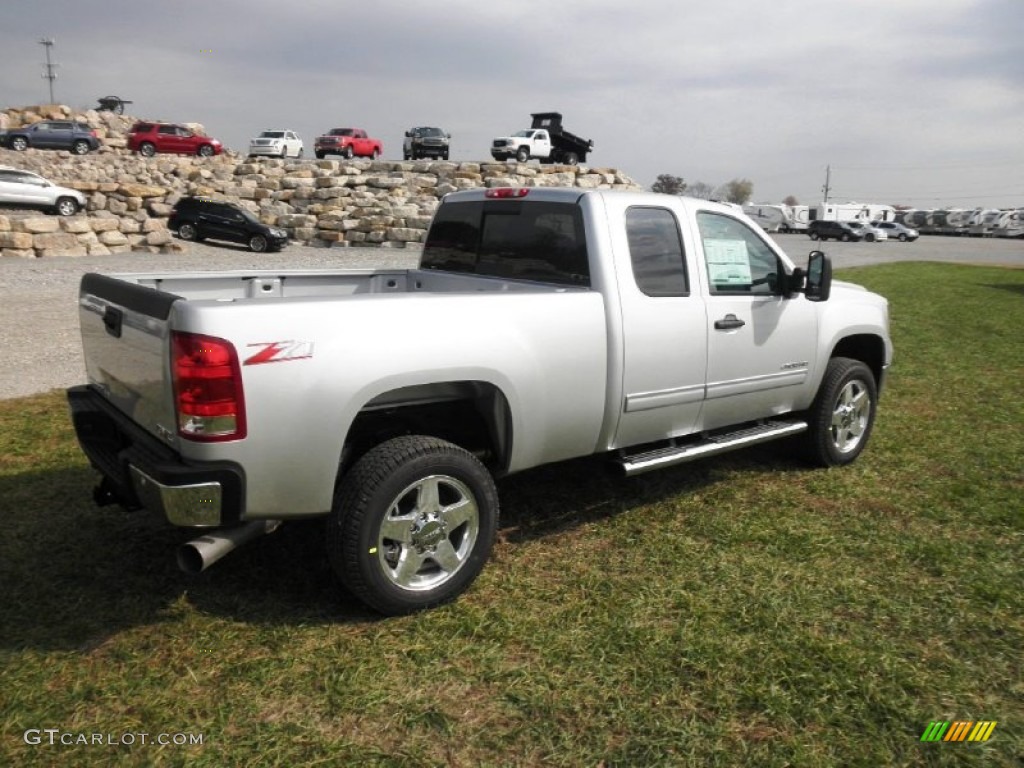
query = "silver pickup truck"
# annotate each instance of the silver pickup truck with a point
(541, 325)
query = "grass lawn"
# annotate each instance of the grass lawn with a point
(744, 610)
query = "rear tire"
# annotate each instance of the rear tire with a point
(187, 232)
(814, 236)
(571, 158)
(412, 524)
(19, 143)
(319, 155)
(842, 414)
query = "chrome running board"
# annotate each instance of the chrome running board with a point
(707, 445)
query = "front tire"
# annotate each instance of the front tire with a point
(903, 237)
(842, 414)
(205, 151)
(571, 158)
(412, 524)
(814, 236)
(66, 207)
(349, 152)
(80, 147)
(523, 155)
(258, 243)
(146, 149)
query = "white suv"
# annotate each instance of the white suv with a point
(19, 187)
(276, 143)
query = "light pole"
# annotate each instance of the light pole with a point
(49, 74)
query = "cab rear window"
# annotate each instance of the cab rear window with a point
(518, 239)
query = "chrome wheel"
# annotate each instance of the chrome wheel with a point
(147, 150)
(19, 144)
(428, 533)
(67, 207)
(851, 416)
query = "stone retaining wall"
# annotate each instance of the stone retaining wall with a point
(325, 203)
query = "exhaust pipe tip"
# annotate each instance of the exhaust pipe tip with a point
(199, 554)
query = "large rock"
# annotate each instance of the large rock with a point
(36, 224)
(17, 240)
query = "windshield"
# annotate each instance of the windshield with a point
(427, 132)
(524, 134)
(340, 132)
(272, 135)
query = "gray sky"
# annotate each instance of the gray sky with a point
(910, 101)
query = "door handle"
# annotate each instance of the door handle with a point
(728, 323)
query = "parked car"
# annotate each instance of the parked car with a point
(871, 234)
(896, 230)
(24, 188)
(348, 142)
(426, 142)
(149, 138)
(52, 134)
(276, 143)
(198, 218)
(840, 230)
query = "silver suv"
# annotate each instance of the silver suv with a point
(28, 189)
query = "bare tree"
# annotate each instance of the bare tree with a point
(737, 191)
(790, 200)
(669, 184)
(701, 190)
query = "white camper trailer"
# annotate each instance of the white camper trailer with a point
(983, 221)
(1010, 224)
(771, 218)
(798, 217)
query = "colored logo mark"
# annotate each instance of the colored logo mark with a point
(959, 730)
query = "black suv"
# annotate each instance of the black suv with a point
(198, 218)
(426, 142)
(52, 134)
(823, 230)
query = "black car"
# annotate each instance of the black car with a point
(823, 230)
(426, 142)
(52, 134)
(198, 218)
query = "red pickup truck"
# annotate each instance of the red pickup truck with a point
(350, 142)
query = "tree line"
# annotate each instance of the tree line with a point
(737, 191)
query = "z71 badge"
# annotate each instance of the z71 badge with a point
(279, 351)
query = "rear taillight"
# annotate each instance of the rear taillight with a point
(207, 388)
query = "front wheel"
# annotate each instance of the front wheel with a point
(842, 414)
(412, 524)
(903, 237)
(66, 206)
(206, 151)
(146, 149)
(813, 236)
(349, 152)
(80, 147)
(523, 155)
(845, 238)
(258, 243)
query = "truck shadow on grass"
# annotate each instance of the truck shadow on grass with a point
(74, 574)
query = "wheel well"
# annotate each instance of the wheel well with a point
(869, 349)
(471, 414)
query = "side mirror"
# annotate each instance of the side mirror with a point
(819, 277)
(408, 134)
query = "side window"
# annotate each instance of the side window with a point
(166, 130)
(656, 252)
(738, 261)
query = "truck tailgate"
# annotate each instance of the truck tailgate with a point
(126, 340)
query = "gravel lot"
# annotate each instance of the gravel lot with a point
(38, 314)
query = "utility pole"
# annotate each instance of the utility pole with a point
(827, 187)
(49, 74)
